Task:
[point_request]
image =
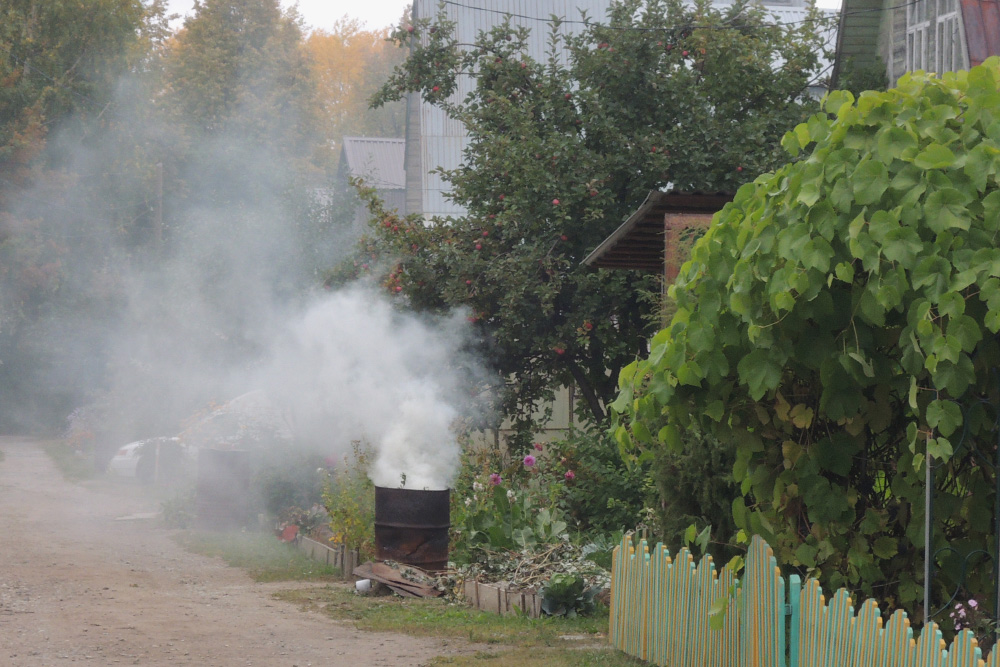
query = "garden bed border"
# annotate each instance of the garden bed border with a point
(491, 598)
(336, 556)
(496, 599)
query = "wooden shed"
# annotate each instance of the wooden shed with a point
(658, 236)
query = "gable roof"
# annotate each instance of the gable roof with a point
(378, 160)
(982, 29)
(857, 35)
(639, 242)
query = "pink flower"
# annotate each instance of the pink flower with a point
(538, 446)
(529, 461)
(570, 475)
(973, 604)
(495, 479)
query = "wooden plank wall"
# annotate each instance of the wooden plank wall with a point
(660, 612)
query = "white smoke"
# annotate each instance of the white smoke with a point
(354, 368)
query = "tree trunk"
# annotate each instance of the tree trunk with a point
(593, 402)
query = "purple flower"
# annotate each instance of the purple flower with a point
(973, 604)
(569, 475)
(538, 446)
(529, 461)
(495, 479)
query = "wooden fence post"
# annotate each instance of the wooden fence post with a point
(794, 592)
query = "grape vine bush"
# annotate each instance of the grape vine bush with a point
(837, 327)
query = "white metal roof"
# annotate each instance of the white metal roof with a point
(378, 160)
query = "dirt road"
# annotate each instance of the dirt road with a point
(81, 582)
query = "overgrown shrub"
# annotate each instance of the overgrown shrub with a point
(179, 510)
(695, 486)
(287, 478)
(837, 327)
(605, 494)
(349, 498)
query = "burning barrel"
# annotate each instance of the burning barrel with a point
(412, 527)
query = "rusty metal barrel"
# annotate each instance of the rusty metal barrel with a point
(223, 487)
(412, 526)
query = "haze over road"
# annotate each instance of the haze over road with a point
(81, 582)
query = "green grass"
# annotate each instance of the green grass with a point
(517, 641)
(520, 641)
(260, 554)
(436, 618)
(73, 467)
(546, 657)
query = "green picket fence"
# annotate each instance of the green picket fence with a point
(661, 606)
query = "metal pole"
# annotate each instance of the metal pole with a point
(996, 536)
(928, 531)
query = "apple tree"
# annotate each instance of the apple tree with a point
(837, 326)
(560, 152)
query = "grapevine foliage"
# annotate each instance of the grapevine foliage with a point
(837, 326)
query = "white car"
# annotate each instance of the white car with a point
(138, 459)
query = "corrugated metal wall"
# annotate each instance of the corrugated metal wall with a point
(441, 139)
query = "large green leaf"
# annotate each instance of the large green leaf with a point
(870, 179)
(893, 142)
(935, 156)
(944, 415)
(759, 372)
(816, 254)
(885, 547)
(947, 209)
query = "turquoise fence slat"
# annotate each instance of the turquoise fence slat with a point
(661, 612)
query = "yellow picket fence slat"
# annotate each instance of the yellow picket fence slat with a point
(661, 612)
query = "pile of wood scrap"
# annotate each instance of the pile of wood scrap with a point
(406, 580)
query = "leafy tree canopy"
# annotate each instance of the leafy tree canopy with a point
(239, 69)
(837, 326)
(560, 152)
(350, 65)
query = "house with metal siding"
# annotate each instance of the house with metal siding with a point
(930, 35)
(434, 140)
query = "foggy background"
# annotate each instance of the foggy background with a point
(164, 251)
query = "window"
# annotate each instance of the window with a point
(947, 40)
(917, 31)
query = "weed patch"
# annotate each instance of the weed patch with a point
(545, 657)
(73, 466)
(436, 618)
(261, 555)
